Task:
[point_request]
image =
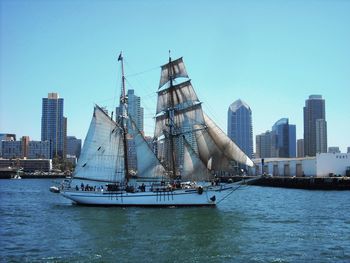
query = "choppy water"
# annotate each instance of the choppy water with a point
(255, 224)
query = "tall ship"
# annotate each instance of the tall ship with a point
(181, 167)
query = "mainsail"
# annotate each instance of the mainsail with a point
(102, 156)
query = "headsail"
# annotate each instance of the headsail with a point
(102, 156)
(225, 144)
(193, 167)
(148, 164)
(209, 152)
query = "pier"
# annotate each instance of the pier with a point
(310, 183)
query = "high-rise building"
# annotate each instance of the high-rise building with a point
(281, 132)
(284, 139)
(315, 132)
(73, 146)
(321, 136)
(239, 126)
(134, 109)
(348, 150)
(263, 145)
(300, 146)
(136, 115)
(292, 141)
(54, 124)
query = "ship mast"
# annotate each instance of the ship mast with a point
(171, 114)
(124, 116)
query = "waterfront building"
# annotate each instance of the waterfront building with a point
(11, 149)
(26, 149)
(73, 146)
(54, 124)
(39, 150)
(315, 132)
(6, 137)
(239, 126)
(348, 150)
(263, 145)
(333, 149)
(28, 165)
(300, 146)
(321, 165)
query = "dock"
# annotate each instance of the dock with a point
(310, 183)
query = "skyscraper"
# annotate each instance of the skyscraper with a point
(263, 145)
(321, 136)
(239, 126)
(284, 140)
(134, 108)
(136, 114)
(300, 145)
(281, 132)
(54, 124)
(292, 141)
(315, 126)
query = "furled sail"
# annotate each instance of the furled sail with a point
(148, 164)
(102, 156)
(172, 70)
(225, 144)
(193, 167)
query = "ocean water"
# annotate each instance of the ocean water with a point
(254, 224)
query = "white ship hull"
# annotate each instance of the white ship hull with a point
(179, 197)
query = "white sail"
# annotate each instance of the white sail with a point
(172, 70)
(193, 167)
(148, 164)
(209, 152)
(184, 120)
(179, 95)
(102, 156)
(225, 144)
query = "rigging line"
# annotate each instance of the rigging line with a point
(229, 194)
(142, 72)
(137, 74)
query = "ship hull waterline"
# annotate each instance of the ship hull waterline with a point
(180, 197)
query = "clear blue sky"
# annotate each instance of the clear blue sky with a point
(271, 54)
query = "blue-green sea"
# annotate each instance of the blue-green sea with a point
(254, 224)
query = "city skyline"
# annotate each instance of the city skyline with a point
(272, 55)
